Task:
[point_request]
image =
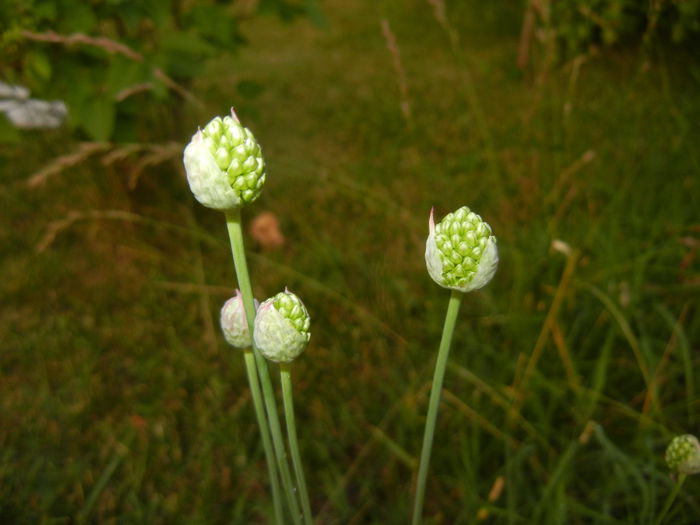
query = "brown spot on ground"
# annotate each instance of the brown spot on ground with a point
(265, 229)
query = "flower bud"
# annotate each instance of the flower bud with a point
(282, 327)
(683, 454)
(461, 252)
(224, 165)
(234, 324)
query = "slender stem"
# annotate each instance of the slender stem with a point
(288, 399)
(671, 498)
(265, 433)
(434, 404)
(233, 223)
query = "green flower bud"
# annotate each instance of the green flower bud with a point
(234, 323)
(282, 327)
(224, 165)
(461, 252)
(683, 454)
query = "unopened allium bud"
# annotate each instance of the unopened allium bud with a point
(461, 252)
(234, 324)
(282, 327)
(224, 165)
(683, 454)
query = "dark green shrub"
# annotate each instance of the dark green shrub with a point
(579, 24)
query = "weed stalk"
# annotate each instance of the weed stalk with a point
(433, 405)
(288, 399)
(233, 223)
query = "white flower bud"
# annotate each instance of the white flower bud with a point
(461, 252)
(282, 327)
(234, 324)
(224, 165)
(683, 454)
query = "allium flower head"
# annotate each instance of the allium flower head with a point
(683, 454)
(461, 252)
(224, 164)
(234, 324)
(282, 327)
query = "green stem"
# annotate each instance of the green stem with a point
(265, 433)
(671, 498)
(435, 393)
(288, 399)
(235, 232)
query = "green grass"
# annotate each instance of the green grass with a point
(121, 403)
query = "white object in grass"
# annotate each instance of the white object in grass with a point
(224, 164)
(461, 252)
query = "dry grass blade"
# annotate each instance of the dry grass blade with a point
(204, 298)
(154, 154)
(477, 418)
(177, 88)
(112, 47)
(151, 155)
(395, 52)
(59, 164)
(440, 13)
(194, 288)
(60, 225)
(495, 493)
(526, 34)
(133, 90)
(521, 381)
(566, 175)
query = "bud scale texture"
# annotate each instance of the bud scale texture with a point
(683, 454)
(461, 252)
(224, 164)
(282, 327)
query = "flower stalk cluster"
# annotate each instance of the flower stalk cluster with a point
(225, 171)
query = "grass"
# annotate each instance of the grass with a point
(569, 373)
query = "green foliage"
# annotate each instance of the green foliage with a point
(110, 59)
(121, 403)
(579, 24)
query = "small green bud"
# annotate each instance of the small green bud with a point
(282, 327)
(461, 252)
(224, 165)
(234, 323)
(683, 454)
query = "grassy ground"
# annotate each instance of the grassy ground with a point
(120, 402)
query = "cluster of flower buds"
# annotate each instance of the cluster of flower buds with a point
(281, 326)
(225, 170)
(461, 252)
(224, 165)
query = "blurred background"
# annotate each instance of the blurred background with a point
(571, 126)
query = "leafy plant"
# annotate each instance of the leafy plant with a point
(120, 65)
(577, 24)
